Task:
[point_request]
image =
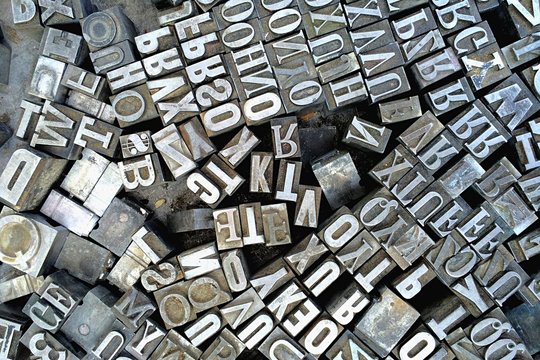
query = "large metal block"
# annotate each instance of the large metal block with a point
(363, 134)
(347, 190)
(108, 27)
(77, 253)
(385, 322)
(387, 85)
(63, 46)
(46, 81)
(450, 96)
(190, 220)
(133, 106)
(118, 224)
(113, 57)
(174, 151)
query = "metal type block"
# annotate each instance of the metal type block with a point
(324, 275)
(487, 5)
(27, 178)
(344, 306)
(195, 26)
(357, 251)
(288, 180)
(136, 144)
(530, 292)
(282, 22)
(498, 233)
(324, 20)
(118, 224)
(512, 102)
(348, 189)
(301, 317)
(46, 81)
(271, 277)
(146, 340)
(154, 246)
(133, 106)
(531, 77)
(279, 345)
(205, 327)
(196, 139)
(222, 175)
(98, 135)
(371, 37)
(339, 67)
(444, 316)
(450, 96)
(175, 344)
(28, 119)
(242, 308)
(528, 186)
(125, 77)
(421, 133)
(373, 270)
(450, 216)
(445, 251)
(366, 135)
(493, 267)
(409, 247)
(293, 47)
(127, 270)
(169, 87)
(381, 59)
(410, 186)
(397, 6)
(436, 67)
(192, 50)
(523, 16)
(305, 94)
(339, 229)
(140, 172)
(68, 213)
(276, 224)
(429, 202)
(397, 163)
(413, 25)
(133, 308)
(346, 91)
(439, 151)
(113, 57)
(25, 13)
(305, 253)
(228, 230)
(219, 91)
(77, 253)
(239, 147)
(410, 283)
(222, 118)
(157, 276)
(233, 12)
(385, 322)
(173, 304)
(294, 72)
(526, 149)
(349, 347)
(497, 179)
(63, 46)
(506, 285)
(90, 106)
(225, 343)
(307, 5)
(511, 207)
(422, 45)
(205, 189)
(456, 14)
(252, 223)
(106, 28)
(420, 343)
(387, 85)
(236, 271)
(54, 12)
(174, 151)
(91, 320)
(472, 295)
(11, 334)
(56, 130)
(156, 41)
(190, 220)
(320, 335)
(41, 343)
(257, 329)
(307, 206)
(261, 178)
(485, 67)
(206, 70)
(476, 224)
(199, 260)
(105, 190)
(364, 12)
(462, 347)
(15, 288)
(247, 61)
(262, 108)
(472, 38)
(400, 110)
(461, 176)
(330, 46)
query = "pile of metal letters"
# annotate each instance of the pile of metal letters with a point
(259, 110)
